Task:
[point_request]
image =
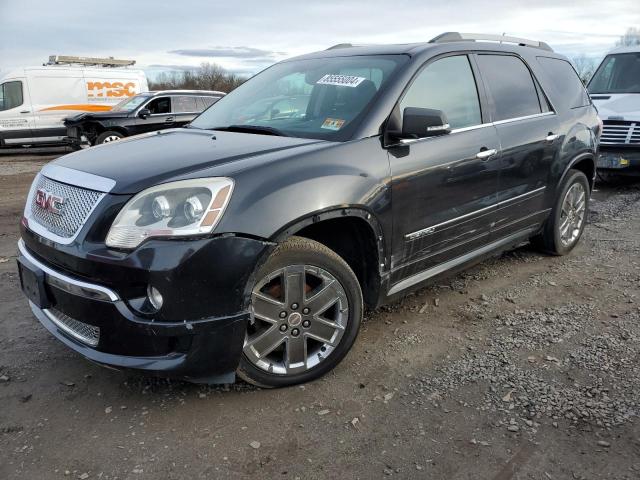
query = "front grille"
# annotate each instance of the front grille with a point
(88, 334)
(620, 133)
(77, 204)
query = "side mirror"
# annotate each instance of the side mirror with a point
(144, 113)
(423, 122)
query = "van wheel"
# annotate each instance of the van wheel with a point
(568, 217)
(307, 309)
(108, 136)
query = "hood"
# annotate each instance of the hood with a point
(82, 117)
(139, 162)
(617, 106)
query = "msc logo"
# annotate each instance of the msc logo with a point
(50, 202)
(111, 89)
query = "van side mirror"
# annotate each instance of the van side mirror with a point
(144, 113)
(423, 122)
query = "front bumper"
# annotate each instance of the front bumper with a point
(202, 343)
(619, 161)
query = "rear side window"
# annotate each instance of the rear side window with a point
(184, 104)
(10, 95)
(206, 102)
(566, 81)
(511, 86)
(448, 85)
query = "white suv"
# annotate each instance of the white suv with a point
(615, 90)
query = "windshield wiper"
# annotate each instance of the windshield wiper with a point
(252, 129)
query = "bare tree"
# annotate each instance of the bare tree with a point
(585, 67)
(630, 38)
(208, 76)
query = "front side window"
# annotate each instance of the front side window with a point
(448, 85)
(323, 98)
(184, 104)
(619, 73)
(10, 95)
(511, 86)
(159, 105)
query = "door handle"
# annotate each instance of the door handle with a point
(168, 119)
(486, 153)
(25, 111)
(551, 137)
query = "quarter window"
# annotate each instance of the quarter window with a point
(184, 104)
(206, 102)
(511, 86)
(566, 81)
(448, 85)
(10, 95)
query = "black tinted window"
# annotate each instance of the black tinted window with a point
(10, 95)
(448, 85)
(184, 104)
(511, 86)
(160, 105)
(565, 81)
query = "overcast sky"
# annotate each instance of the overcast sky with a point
(247, 35)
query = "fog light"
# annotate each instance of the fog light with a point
(155, 297)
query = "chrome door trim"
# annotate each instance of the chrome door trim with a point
(526, 117)
(68, 284)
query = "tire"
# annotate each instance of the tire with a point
(552, 239)
(326, 334)
(108, 136)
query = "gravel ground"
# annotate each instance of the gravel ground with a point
(525, 366)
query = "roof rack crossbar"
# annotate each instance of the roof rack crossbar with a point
(482, 37)
(104, 62)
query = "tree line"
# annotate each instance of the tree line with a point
(208, 76)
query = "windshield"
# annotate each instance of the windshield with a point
(130, 104)
(619, 73)
(322, 98)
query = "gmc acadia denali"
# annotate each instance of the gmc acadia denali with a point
(249, 242)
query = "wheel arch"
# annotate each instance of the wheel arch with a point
(585, 162)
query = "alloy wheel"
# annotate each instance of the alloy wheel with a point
(111, 138)
(572, 215)
(300, 313)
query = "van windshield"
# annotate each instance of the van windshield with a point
(322, 98)
(618, 73)
(130, 104)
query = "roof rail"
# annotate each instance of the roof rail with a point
(103, 62)
(341, 45)
(475, 37)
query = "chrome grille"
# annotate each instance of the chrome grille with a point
(620, 133)
(84, 332)
(78, 204)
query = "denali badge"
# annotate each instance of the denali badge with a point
(50, 202)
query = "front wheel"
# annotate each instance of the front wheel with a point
(307, 308)
(568, 217)
(108, 137)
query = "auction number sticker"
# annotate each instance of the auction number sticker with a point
(333, 124)
(341, 80)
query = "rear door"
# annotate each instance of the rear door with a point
(443, 188)
(529, 138)
(161, 116)
(16, 118)
(185, 109)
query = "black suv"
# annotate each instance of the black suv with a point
(145, 112)
(251, 241)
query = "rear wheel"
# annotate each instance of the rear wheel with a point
(568, 217)
(307, 309)
(108, 136)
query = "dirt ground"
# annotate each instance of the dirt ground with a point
(526, 366)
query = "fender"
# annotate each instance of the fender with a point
(575, 160)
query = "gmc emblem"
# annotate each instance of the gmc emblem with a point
(50, 202)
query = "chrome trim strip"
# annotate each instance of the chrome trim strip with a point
(78, 178)
(433, 228)
(68, 284)
(526, 117)
(69, 331)
(431, 272)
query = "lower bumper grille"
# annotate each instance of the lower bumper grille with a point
(88, 334)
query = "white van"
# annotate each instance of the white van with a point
(615, 91)
(34, 101)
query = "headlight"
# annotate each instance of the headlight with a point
(177, 209)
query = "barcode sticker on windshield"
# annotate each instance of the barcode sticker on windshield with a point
(341, 80)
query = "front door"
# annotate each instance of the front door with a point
(444, 188)
(16, 116)
(529, 137)
(161, 116)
